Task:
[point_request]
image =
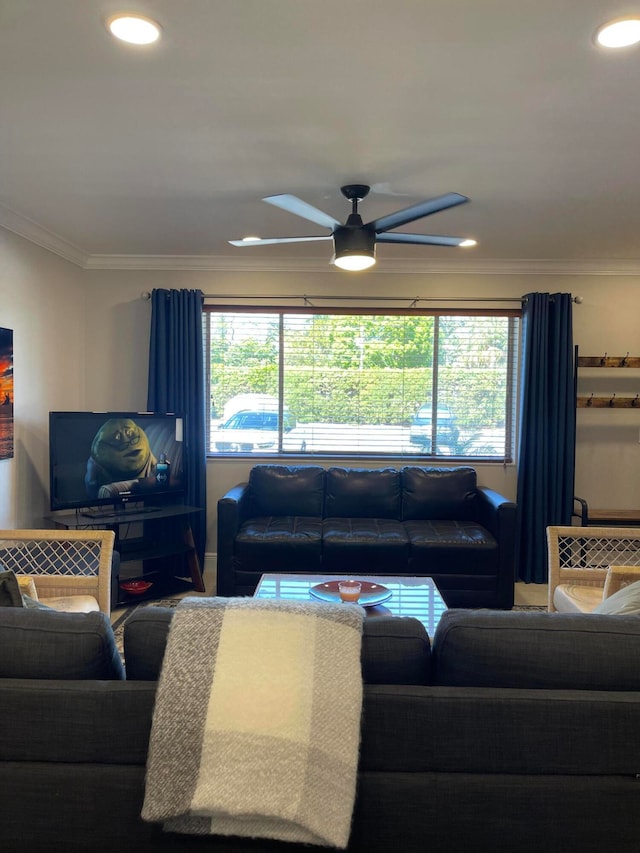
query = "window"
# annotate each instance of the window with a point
(406, 383)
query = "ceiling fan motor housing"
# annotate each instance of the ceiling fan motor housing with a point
(354, 238)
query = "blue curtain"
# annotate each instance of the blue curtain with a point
(176, 384)
(546, 462)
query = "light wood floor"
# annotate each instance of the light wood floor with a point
(531, 594)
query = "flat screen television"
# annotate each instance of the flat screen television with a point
(108, 459)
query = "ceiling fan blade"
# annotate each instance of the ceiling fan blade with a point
(424, 239)
(270, 241)
(417, 211)
(293, 204)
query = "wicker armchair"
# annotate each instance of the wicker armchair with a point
(588, 564)
(71, 570)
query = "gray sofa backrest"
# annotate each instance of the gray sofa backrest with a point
(395, 650)
(286, 490)
(569, 651)
(438, 493)
(362, 493)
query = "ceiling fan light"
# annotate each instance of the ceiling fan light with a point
(355, 248)
(466, 244)
(354, 261)
(134, 29)
(622, 32)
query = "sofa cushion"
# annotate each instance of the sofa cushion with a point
(438, 493)
(362, 493)
(567, 651)
(367, 544)
(144, 641)
(279, 543)
(54, 645)
(451, 547)
(286, 490)
(395, 650)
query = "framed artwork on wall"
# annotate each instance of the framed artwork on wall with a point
(6, 393)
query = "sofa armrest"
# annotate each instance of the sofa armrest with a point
(495, 512)
(233, 509)
(498, 515)
(75, 722)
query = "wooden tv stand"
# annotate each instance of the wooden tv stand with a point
(158, 538)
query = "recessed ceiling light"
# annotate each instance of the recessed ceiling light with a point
(619, 33)
(135, 29)
(466, 244)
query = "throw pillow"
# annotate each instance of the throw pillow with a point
(9, 590)
(625, 601)
(34, 603)
(27, 586)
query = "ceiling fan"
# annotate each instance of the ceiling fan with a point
(354, 242)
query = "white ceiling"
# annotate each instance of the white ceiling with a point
(114, 155)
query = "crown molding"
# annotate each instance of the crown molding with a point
(34, 233)
(496, 266)
(30, 230)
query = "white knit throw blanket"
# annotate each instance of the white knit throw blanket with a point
(256, 726)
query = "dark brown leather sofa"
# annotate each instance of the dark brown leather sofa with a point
(414, 521)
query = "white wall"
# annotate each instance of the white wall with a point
(90, 351)
(109, 291)
(42, 299)
(608, 440)
(608, 453)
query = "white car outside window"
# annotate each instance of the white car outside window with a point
(254, 431)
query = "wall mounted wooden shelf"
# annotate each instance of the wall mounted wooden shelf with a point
(614, 402)
(611, 362)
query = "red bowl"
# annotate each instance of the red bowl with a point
(136, 587)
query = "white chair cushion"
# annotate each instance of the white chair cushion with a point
(576, 598)
(72, 603)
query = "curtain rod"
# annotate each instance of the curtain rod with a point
(412, 299)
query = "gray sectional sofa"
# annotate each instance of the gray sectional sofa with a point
(420, 521)
(509, 731)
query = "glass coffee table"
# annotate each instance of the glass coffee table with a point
(410, 596)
